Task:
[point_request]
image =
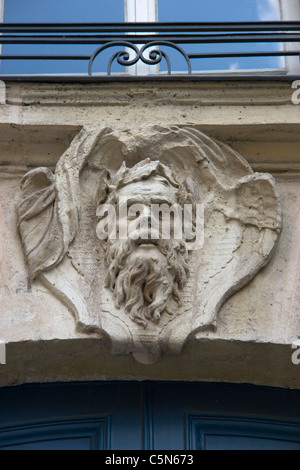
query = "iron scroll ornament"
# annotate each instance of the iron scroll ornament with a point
(123, 57)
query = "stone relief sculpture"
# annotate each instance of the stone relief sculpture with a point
(147, 293)
(146, 271)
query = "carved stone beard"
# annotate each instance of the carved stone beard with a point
(144, 277)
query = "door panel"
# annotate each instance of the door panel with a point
(63, 434)
(205, 432)
(148, 415)
(83, 416)
(188, 416)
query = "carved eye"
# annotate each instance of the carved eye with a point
(134, 214)
(164, 182)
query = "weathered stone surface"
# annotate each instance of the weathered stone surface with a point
(166, 291)
(255, 326)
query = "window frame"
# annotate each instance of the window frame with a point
(1, 17)
(290, 11)
(141, 11)
(147, 11)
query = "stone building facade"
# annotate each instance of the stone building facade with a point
(253, 336)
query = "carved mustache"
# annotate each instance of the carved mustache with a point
(117, 252)
(147, 236)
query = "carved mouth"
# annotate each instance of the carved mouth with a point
(147, 242)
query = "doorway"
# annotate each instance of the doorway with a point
(148, 415)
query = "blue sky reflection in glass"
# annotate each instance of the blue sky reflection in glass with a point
(223, 10)
(113, 11)
(59, 11)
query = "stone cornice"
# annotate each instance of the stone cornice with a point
(274, 148)
(204, 93)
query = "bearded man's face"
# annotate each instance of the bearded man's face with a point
(147, 272)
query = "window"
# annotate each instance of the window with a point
(56, 11)
(102, 11)
(220, 10)
(236, 10)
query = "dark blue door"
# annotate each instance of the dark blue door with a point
(71, 416)
(224, 416)
(148, 415)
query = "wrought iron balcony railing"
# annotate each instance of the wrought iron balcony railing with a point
(148, 43)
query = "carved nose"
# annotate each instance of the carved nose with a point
(146, 220)
(146, 212)
(145, 224)
(146, 216)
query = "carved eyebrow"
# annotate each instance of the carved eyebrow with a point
(136, 200)
(161, 200)
(163, 180)
(149, 200)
